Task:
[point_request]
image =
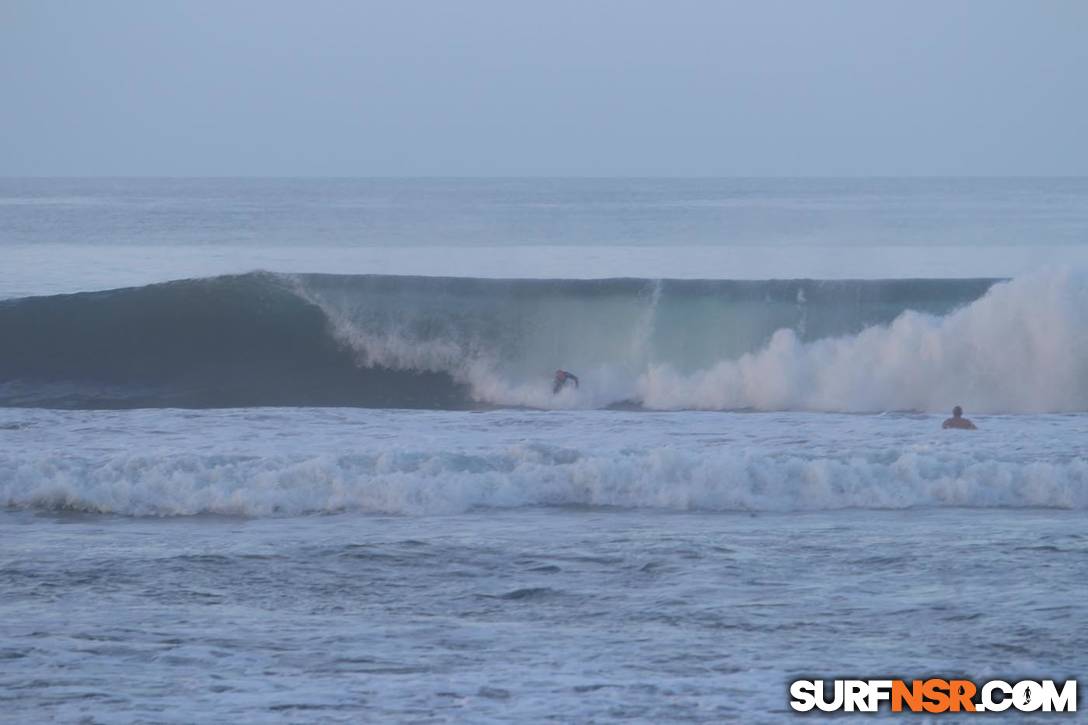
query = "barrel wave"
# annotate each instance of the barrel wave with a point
(221, 342)
(264, 339)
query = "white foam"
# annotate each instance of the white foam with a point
(416, 483)
(145, 463)
(1022, 348)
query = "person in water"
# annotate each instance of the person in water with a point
(562, 377)
(958, 421)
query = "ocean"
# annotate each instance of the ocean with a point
(288, 450)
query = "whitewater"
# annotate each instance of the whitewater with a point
(288, 451)
(243, 463)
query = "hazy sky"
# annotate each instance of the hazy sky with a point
(568, 87)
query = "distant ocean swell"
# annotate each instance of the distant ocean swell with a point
(1018, 346)
(415, 483)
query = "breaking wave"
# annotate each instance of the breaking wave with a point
(414, 482)
(382, 341)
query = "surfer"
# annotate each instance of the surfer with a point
(958, 421)
(562, 377)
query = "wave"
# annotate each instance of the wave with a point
(383, 341)
(227, 341)
(413, 482)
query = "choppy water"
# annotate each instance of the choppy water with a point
(285, 565)
(574, 614)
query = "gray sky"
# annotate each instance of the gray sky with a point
(567, 87)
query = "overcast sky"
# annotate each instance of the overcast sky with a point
(558, 88)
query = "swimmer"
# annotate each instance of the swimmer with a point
(958, 421)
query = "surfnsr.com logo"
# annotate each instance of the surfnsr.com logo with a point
(933, 695)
